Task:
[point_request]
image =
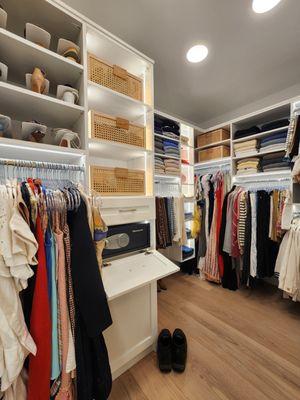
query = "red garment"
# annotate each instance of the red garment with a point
(219, 199)
(40, 328)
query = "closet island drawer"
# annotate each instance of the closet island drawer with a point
(117, 211)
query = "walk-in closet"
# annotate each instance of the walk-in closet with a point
(149, 200)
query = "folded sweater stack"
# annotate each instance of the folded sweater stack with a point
(248, 166)
(171, 148)
(246, 148)
(166, 127)
(172, 167)
(274, 162)
(275, 141)
(159, 166)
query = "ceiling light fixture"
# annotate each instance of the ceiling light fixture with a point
(197, 53)
(262, 6)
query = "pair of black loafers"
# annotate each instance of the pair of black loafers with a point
(172, 350)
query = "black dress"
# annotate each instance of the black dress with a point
(94, 379)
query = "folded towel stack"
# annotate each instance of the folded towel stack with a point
(275, 141)
(159, 165)
(248, 147)
(248, 166)
(275, 162)
(172, 167)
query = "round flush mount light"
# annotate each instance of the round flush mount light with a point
(262, 6)
(197, 53)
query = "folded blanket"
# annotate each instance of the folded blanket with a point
(248, 159)
(272, 161)
(247, 171)
(247, 153)
(276, 165)
(274, 155)
(275, 124)
(246, 132)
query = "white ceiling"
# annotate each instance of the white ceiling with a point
(251, 56)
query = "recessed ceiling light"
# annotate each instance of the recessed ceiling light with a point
(262, 6)
(197, 53)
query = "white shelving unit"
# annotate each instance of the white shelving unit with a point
(131, 291)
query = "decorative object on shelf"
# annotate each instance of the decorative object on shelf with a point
(115, 78)
(33, 131)
(67, 93)
(66, 138)
(69, 50)
(117, 181)
(37, 35)
(3, 17)
(37, 81)
(3, 72)
(116, 129)
(5, 126)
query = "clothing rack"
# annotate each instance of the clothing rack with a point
(22, 169)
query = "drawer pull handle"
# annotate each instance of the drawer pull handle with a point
(128, 210)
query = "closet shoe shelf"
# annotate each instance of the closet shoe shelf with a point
(18, 52)
(21, 149)
(115, 150)
(107, 101)
(31, 105)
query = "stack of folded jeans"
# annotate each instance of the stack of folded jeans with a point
(273, 142)
(166, 127)
(275, 162)
(172, 167)
(171, 148)
(248, 166)
(246, 148)
(159, 165)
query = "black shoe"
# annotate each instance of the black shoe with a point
(164, 350)
(179, 350)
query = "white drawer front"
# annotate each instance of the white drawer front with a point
(117, 211)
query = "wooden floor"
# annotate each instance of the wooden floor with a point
(243, 345)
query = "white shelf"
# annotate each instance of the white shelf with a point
(216, 162)
(262, 153)
(166, 156)
(108, 50)
(23, 150)
(25, 105)
(22, 56)
(283, 174)
(107, 101)
(166, 137)
(260, 135)
(220, 143)
(115, 150)
(167, 177)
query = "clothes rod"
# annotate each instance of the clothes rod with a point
(41, 165)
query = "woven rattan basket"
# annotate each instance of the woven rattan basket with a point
(116, 129)
(117, 181)
(115, 78)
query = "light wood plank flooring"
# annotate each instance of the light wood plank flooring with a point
(243, 345)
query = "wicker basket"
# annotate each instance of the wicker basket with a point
(116, 129)
(212, 137)
(115, 78)
(117, 181)
(213, 153)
